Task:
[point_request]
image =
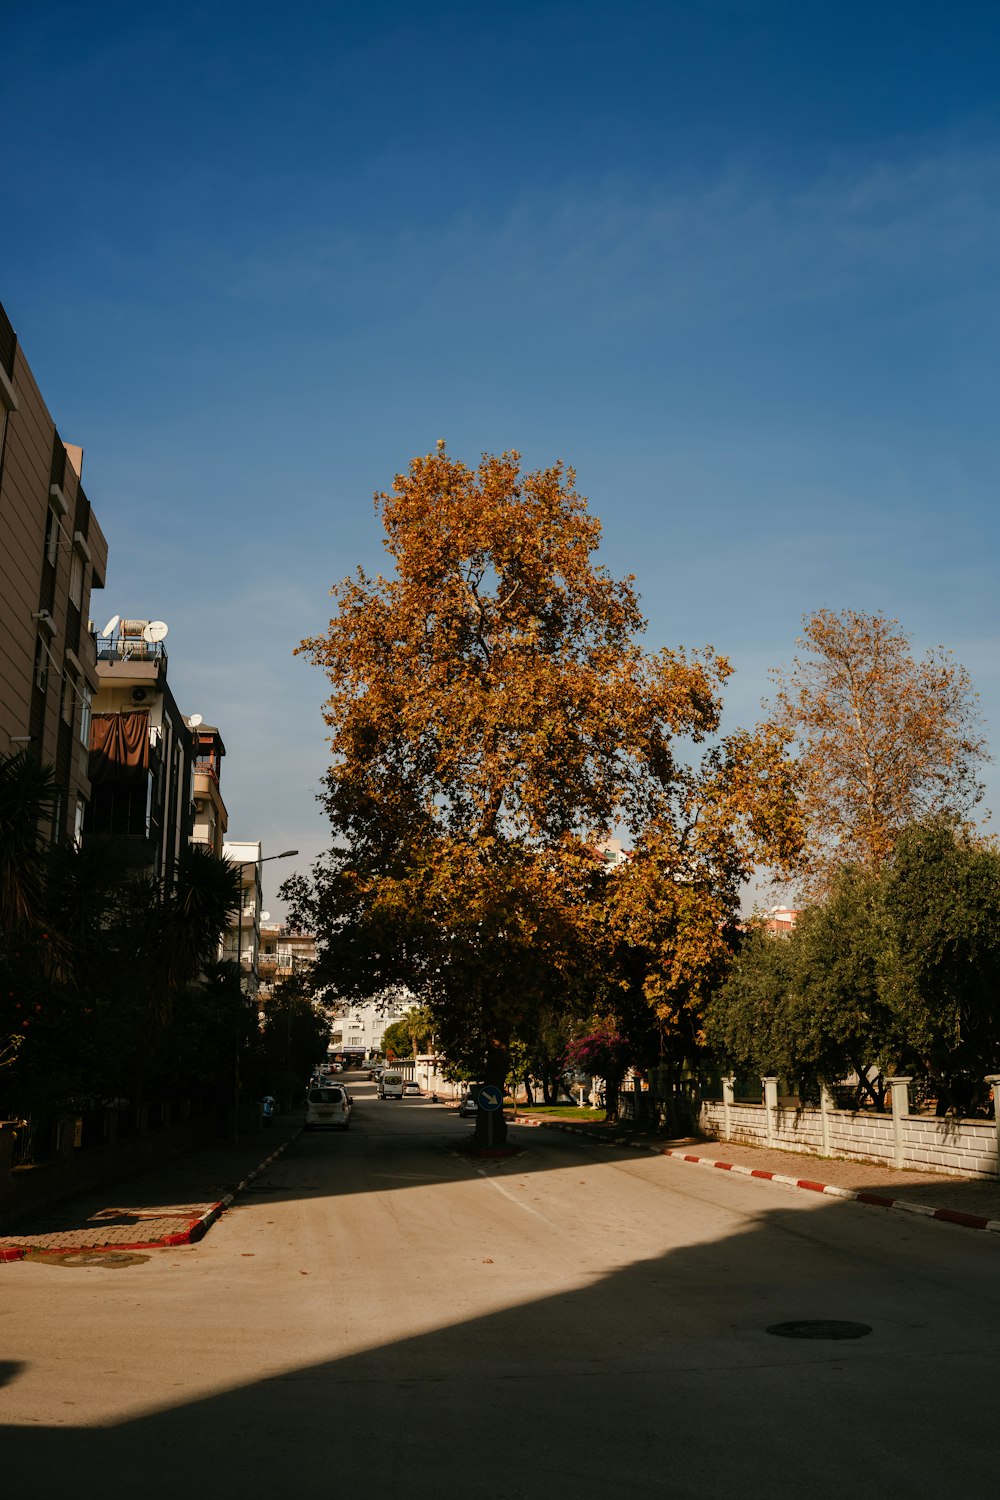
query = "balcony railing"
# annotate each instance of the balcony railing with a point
(130, 648)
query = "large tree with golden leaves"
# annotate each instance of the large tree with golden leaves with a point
(883, 739)
(492, 719)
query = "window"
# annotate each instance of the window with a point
(76, 570)
(86, 698)
(41, 666)
(81, 808)
(67, 700)
(51, 538)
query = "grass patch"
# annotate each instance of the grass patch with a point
(561, 1112)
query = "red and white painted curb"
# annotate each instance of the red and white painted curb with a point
(853, 1195)
(195, 1231)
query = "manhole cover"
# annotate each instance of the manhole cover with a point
(109, 1260)
(819, 1328)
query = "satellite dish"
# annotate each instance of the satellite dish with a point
(195, 720)
(265, 916)
(155, 631)
(109, 627)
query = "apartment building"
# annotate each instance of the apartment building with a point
(360, 1026)
(142, 749)
(52, 555)
(210, 817)
(241, 944)
(284, 952)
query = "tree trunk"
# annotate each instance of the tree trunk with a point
(612, 1087)
(491, 1127)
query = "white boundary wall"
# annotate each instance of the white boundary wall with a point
(966, 1148)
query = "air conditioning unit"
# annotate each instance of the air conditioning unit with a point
(141, 694)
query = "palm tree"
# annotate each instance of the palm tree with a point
(27, 795)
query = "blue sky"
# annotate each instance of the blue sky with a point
(736, 262)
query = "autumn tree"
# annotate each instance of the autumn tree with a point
(884, 739)
(492, 718)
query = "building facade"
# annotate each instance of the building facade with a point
(284, 952)
(241, 943)
(142, 750)
(210, 817)
(52, 555)
(358, 1027)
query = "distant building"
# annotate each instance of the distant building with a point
(241, 943)
(284, 952)
(360, 1026)
(780, 920)
(52, 554)
(210, 817)
(141, 750)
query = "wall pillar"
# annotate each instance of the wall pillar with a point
(7, 1129)
(771, 1106)
(825, 1106)
(993, 1079)
(68, 1135)
(900, 1089)
(728, 1099)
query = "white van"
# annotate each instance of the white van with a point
(328, 1104)
(390, 1086)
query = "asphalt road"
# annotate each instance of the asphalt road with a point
(380, 1313)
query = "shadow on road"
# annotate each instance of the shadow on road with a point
(659, 1379)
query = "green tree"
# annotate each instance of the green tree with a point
(411, 1034)
(897, 971)
(93, 978)
(296, 1035)
(491, 717)
(941, 976)
(808, 1006)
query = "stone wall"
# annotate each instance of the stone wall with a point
(966, 1148)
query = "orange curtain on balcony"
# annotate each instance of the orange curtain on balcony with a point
(119, 747)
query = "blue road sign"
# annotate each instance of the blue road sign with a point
(490, 1097)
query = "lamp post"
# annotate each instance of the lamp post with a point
(242, 863)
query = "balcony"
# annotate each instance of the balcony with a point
(275, 965)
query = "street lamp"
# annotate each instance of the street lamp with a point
(286, 854)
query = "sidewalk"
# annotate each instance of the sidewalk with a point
(970, 1201)
(172, 1204)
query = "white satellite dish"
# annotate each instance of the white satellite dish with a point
(195, 720)
(109, 627)
(265, 916)
(155, 631)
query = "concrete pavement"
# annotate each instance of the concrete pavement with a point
(969, 1201)
(174, 1203)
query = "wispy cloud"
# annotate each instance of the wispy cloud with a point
(631, 249)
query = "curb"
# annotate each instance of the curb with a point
(851, 1195)
(196, 1230)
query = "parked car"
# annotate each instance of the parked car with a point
(409, 1087)
(390, 1086)
(468, 1106)
(328, 1104)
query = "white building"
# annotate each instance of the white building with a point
(360, 1026)
(242, 942)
